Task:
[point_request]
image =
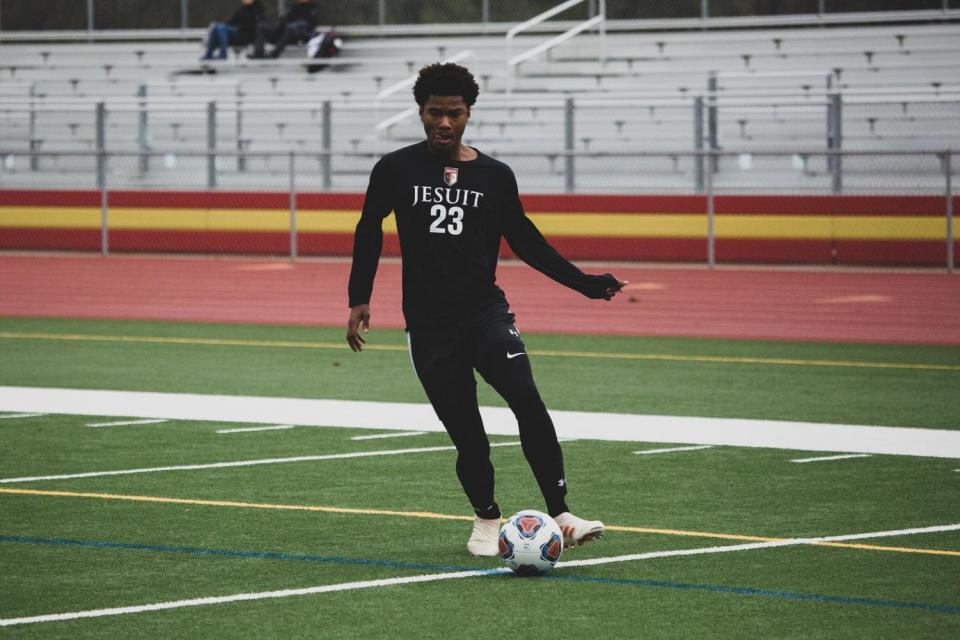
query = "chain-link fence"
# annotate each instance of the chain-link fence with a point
(26, 15)
(884, 217)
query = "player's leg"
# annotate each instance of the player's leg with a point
(213, 40)
(503, 362)
(292, 33)
(227, 34)
(260, 40)
(286, 37)
(447, 377)
(231, 38)
(265, 33)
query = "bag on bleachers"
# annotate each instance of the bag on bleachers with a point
(323, 45)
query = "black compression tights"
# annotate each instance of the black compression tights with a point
(455, 400)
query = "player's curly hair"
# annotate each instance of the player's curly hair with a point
(445, 80)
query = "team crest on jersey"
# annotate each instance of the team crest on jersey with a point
(450, 176)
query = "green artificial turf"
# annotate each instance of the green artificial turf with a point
(874, 394)
(64, 553)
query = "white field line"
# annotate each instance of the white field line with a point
(453, 575)
(125, 423)
(648, 452)
(11, 416)
(399, 434)
(828, 458)
(674, 430)
(241, 597)
(278, 427)
(243, 463)
(759, 545)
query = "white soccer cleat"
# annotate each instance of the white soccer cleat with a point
(484, 539)
(577, 530)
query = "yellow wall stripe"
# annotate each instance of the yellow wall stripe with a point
(620, 225)
(443, 516)
(832, 227)
(328, 221)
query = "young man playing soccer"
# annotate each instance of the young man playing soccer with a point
(452, 205)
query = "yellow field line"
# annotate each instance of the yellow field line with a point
(443, 516)
(294, 344)
(228, 342)
(733, 536)
(750, 360)
(874, 547)
(244, 505)
(691, 534)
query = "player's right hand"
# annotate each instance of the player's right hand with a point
(359, 317)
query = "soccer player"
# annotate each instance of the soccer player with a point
(452, 205)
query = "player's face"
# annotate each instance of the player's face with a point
(444, 119)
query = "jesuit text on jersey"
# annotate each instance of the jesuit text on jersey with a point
(445, 195)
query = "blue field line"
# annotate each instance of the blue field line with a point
(418, 566)
(231, 553)
(763, 593)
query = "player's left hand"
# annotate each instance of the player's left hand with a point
(613, 290)
(605, 287)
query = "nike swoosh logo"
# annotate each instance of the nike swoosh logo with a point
(511, 356)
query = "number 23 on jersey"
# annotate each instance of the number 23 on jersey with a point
(446, 220)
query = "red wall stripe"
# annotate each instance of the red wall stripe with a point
(833, 205)
(181, 199)
(538, 203)
(534, 203)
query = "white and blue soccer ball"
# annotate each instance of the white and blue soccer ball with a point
(530, 543)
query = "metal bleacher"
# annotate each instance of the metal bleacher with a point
(632, 94)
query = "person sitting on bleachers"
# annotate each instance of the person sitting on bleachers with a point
(297, 24)
(239, 31)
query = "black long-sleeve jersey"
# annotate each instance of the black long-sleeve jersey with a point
(450, 217)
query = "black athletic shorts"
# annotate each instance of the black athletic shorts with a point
(447, 355)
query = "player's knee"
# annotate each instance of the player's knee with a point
(521, 394)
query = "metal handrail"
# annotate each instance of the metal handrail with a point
(526, 153)
(552, 42)
(513, 61)
(410, 80)
(307, 103)
(541, 17)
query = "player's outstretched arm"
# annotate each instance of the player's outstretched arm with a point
(359, 318)
(531, 247)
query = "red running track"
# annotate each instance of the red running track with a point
(751, 303)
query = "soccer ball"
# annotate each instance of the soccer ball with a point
(530, 543)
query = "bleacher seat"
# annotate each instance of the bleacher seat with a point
(633, 92)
